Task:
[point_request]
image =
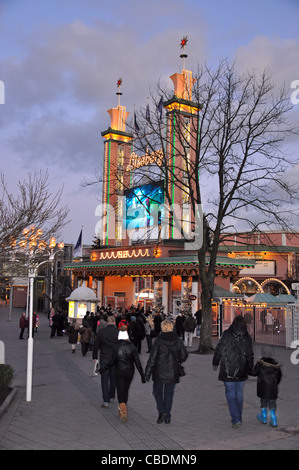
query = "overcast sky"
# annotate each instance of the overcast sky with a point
(60, 61)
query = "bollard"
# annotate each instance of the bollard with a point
(2, 353)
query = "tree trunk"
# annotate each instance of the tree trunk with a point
(205, 341)
(207, 286)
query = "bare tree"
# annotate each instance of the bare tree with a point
(31, 203)
(237, 173)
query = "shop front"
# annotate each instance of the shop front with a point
(167, 278)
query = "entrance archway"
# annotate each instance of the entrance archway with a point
(146, 297)
(274, 280)
(241, 283)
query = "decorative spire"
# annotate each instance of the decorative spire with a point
(183, 82)
(183, 44)
(119, 93)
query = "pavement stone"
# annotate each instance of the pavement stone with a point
(65, 411)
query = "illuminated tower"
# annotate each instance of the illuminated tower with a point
(117, 151)
(182, 127)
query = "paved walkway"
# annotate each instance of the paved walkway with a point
(65, 411)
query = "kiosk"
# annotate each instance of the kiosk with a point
(81, 300)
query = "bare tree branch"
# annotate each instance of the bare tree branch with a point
(32, 203)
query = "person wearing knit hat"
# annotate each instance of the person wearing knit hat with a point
(268, 373)
(266, 351)
(123, 334)
(124, 358)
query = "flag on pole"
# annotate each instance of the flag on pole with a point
(160, 108)
(78, 247)
(147, 114)
(136, 127)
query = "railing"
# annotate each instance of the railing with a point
(292, 324)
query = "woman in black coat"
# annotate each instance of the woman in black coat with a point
(164, 365)
(234, 352)
(124, 357)
(73, 333)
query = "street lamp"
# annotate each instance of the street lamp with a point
(34, 247)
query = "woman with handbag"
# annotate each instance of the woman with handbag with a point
(164, 365)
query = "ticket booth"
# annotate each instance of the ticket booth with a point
(82, 300)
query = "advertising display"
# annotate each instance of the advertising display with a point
(142, 205)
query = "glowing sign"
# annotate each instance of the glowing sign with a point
(82, 308)
(121, 254)
(71, 309)
(147, 159)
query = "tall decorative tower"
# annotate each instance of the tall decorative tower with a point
(117, 151)
(182, 125)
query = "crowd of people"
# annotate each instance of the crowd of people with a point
(24, 324)
(116, 337)
(140, 325)
(117, 346)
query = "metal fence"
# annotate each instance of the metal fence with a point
(278, 326)
(292, 326)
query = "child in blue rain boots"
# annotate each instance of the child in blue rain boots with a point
(268, 374)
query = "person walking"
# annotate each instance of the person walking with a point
(269, 322)
(137, 331)
(33, 324)
(55, 322)
(198, 316)
(268, 373)
(164, 366)
(263, 315)
(149, 328)
(189, 327)
(234, 352)
(157, 319)
(125, 358)
(179, 325)
(85, 337)
(106, 338)
(73, 333)
(23, 323)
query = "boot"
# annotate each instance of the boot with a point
(123, 413)
(262, 416)
(161, 418)
(273, 419)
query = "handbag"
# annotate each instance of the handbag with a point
(181, 368)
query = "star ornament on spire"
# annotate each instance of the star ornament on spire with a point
(119, 82)
(184, 42)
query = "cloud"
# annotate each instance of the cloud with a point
(62, 66)
(280, 55)
(58, 90)
(58, 140)
(58, 93)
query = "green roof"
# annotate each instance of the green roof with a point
(167, 261)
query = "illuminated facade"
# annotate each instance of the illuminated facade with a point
(126, 271)
(141, 258)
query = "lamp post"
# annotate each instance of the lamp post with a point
(33, 247)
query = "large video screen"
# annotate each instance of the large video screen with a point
(142, 205)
